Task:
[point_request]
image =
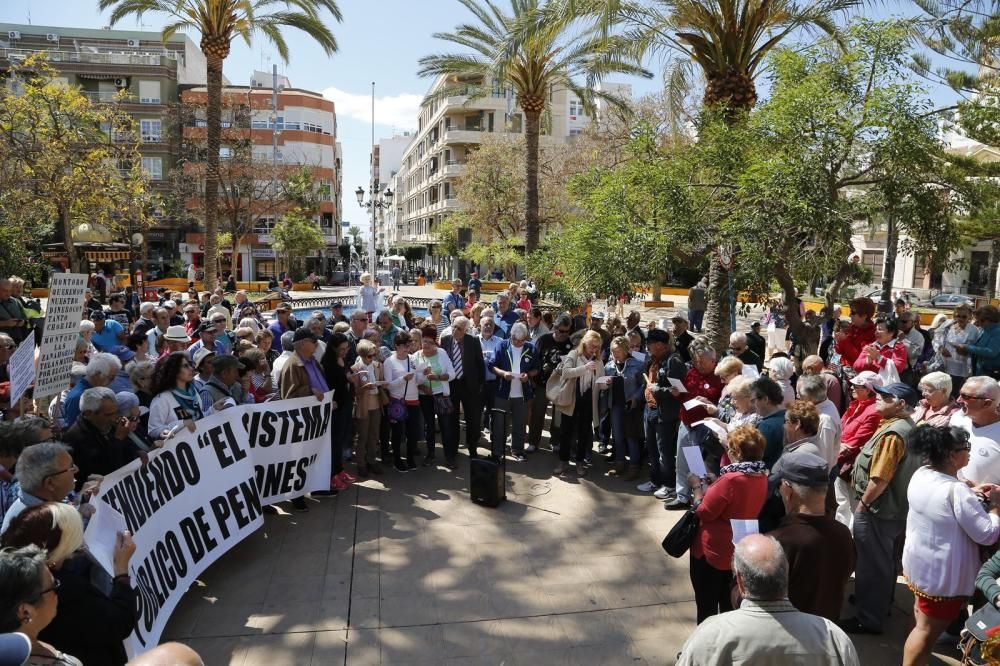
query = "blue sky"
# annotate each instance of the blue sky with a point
(380, 40)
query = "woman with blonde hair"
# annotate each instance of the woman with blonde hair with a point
(368, 296)
(370, 398)
(959, 331)
(582, 368)
(625, 400)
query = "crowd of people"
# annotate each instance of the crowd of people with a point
(870, 438)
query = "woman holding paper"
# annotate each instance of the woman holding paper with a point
(89, 624)
(435, 396)
(738, 494)
(623, 395)
(368, 407)
(886, 347)
(582, 367)
(401, 373)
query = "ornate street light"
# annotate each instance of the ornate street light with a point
(376, 201)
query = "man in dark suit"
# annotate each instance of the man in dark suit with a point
(466, 355)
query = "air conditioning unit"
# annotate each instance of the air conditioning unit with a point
(121, 82)
(134, 43)
(13, 34)
(52, 37)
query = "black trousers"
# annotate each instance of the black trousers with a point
(711, 588)
(581, 426)
(471, 400)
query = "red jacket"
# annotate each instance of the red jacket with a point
(854, 341)
(857, 426)
(734, 495)
(895, 350)
(698, 384)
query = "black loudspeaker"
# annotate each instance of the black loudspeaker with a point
(486, 482)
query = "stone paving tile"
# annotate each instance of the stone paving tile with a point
(293, 648)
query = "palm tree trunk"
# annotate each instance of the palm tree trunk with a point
(532, 125)
(213, 117)
(717, 328)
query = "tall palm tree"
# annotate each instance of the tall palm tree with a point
(534, 48)
(219, 22)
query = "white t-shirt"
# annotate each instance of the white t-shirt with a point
(984, 458)
(516, 390)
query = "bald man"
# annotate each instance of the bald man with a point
(168, 654)
(813, 365)
(766, 628)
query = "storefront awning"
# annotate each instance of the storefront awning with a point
(98, 77)
(107, 256)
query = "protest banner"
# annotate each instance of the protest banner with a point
(21, 368)
(63, 312)
(193, 501)
(289, 443)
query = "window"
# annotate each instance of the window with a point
(575, 108)
(149, 92)
(575, 132)
(153, 166)
(515, 123)
(874, 260)
(149, 130)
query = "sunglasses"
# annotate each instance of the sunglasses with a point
(967, 397)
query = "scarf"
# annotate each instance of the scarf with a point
(749, 467)
(189, 401)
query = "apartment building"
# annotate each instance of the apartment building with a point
(449, 129)
(300, 130)
(104, 65)
(387, 158)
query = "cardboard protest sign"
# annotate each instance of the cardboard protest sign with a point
(22, 368)
(62, 326)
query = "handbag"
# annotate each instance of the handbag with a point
(559, 389)
(680, 537)
(977, 631)
(443, 405)
(396, 411)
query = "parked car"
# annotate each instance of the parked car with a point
(948, 301)
(907, 296)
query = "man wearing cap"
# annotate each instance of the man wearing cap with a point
(280, 325)
(857, 425)
(337, 313)
(661, 417)
(682, 338)
(980, 398)
(820, 550)
(475, 284)
(176, 340)
(696, 305)
(755, 341)
(597, 324)
(107, 333)
(203, 372)
(207, 333)
(881, 475)
(225, 381)
(192, 319)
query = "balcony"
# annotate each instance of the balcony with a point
(454, 168)
(131, 59)
(109, 97)
(455, 135)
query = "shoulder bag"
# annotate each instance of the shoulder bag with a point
(680, 537)
(396, 410)
(559, 389)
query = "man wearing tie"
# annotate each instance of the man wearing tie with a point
(466, 355)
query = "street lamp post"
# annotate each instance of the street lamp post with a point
(376, 201)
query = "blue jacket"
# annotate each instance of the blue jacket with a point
(502, 360)
(986, 352)
(635, 385)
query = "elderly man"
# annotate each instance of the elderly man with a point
(980, 399)
(280, 325)
(108, 333)
(767, 628)
(93, 438)
(696, 305)
(466, 385)
(161, 317)
(13, 320)
(913, 339)
(192, 321)
(454, 299)
(756, 342)
(359, 324)
(7, 347)
(337, 313)
(813, 389)
(146, 320)
(101, 371)
(738, 347)
(682, 337)
(217, 308)
(505, 316)
(661, 417)
(46, 473)
(813, 365)
(176, 318)
(632, 324)
(881, 476)
(207, 339)
(820, 550)
(279, 363)
(225, 381)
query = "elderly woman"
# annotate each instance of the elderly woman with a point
(728, 369)
(86, 336)
(435, 397)
(403, 373)
(985, 351)
(369, 378)
(739, 393)
(515, 363)
(339, 378)
(738, 493)
(859, 334)
(887, 348)
(581, 368)
(937, 405)
(90, 624)
(435, 318)
(623, 396)
(265, 342)
(402, 315)
(959, 331)
(260, 374)
(28, 603)
(945, 526)
(177, 403)
(781, 370)
(857, 425)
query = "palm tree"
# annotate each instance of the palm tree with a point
(536, 47)
(219, 22)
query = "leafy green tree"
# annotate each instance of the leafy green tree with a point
(295, 237)
(219, 22)
(535, 47)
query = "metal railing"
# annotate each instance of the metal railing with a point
(148, 59)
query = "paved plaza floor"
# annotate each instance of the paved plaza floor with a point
(406, 570)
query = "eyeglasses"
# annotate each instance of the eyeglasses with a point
(562, 331)
(965, 447)
(72, 467)
(967, 397)
(55, 586)
(132, 419)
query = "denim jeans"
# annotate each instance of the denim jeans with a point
(661, 443)
(619, 413)
(695, 318)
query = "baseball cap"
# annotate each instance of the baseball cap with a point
(867, 378)
(201, 355)
(220, 363)
(303, 333)
(900, 391)
(123, 353)
(15, 648)
(597, 314)
(802, 467)
(208, 326)
(658, 335)
(756, 324)
(96, 314)
(176, 334)
(336, 305)
(171, 305)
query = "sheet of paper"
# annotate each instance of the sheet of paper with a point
(102, 533)
(677, 384)
(750, 371)
(603, 380)
(714, 426)
(694, 460)
(693, 403)
(639, 356)
(742, 528)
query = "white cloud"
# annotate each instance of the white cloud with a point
(398, 111)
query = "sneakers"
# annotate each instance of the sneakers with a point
(338, 483)
(428, 461)
(530, 448)
(646, 487)
(519, 457)
(560, 469)
(401, 467)
(677, 504)
(664, 493)
(581, 471)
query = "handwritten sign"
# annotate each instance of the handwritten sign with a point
(22, 368)
(62, 326)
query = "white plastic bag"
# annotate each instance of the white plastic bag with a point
(888, 373)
